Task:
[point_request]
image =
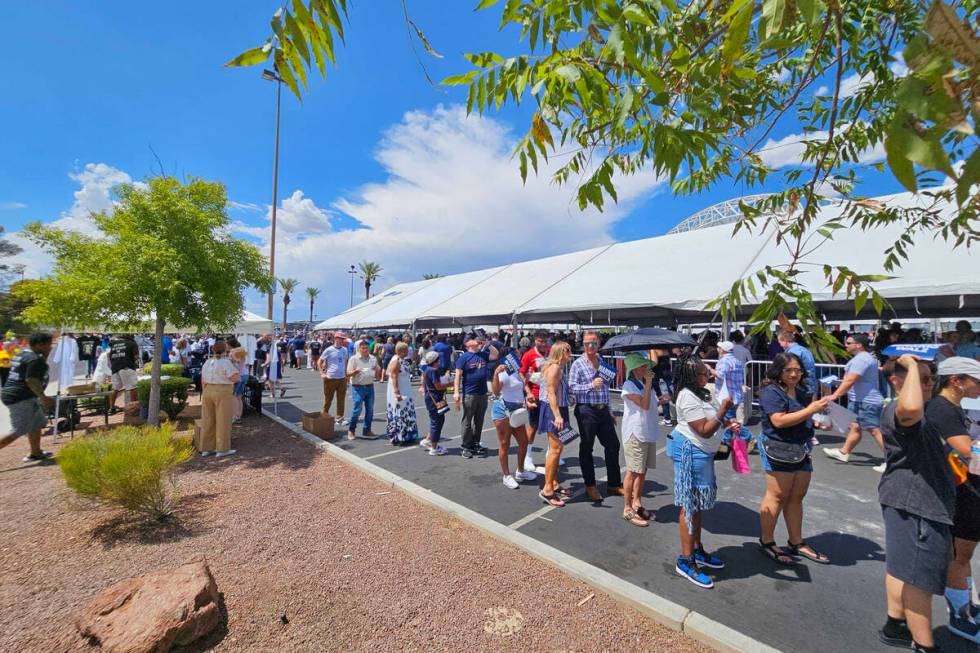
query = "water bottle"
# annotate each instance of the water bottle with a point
(975, 458)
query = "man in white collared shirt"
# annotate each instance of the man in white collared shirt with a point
(362, 369)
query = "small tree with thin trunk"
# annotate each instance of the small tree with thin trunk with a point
(164, 251)
(312, 294)
(288, 285)
(371, 271)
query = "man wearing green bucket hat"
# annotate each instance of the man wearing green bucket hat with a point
(640, 432)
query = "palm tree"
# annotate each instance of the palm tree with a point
(371, 271)
(312, 294)
(287, 285)
(431, 275)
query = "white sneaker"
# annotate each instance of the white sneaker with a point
(206, 453)
(561, 462)
(879, 468)
(528, 463)
(222, 454)
(837, 454)
(510, 482)
(540, 469)
(525, 475)
(438, 451)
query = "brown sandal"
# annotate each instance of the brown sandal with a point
(635, 519)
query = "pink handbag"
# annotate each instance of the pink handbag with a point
(740, 456)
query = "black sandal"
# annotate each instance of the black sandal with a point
(644, 513)
(774, 553)
(817, 557)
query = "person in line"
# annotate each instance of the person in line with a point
(470, 389)
(595, 419)
(959, 378)
(640, 433)
(787, 418)
(237, 355)
(362, 370)
(333, 371)
(272, 370)
(967, 341)
(692, 447)
(388, 352)
(316, 348)
(124, 359)
(435, 380)
(553, 419)
(262, 347)
(445, 351)
(6, 359)
(532, 361)
(218, 378)
(402, 426)
(23, 395)
(740, 351)
(787, 340)
(864, 399)
(510, 419)
(918, 500)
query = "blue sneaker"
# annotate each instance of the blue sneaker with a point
(705, 559)
(965, 628)
(688, 568)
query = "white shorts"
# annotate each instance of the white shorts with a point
(125, 379)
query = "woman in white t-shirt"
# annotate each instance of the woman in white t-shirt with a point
(510, 418)
(692, 447)
(218, 376)
(640, 432)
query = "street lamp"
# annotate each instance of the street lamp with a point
(271, 76)
(352, 272)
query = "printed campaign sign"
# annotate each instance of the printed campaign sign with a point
(512, 362)
(607, 373)
(829, 380)
(926, 351)
(567, 434)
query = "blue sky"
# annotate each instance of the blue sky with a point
(375, 163)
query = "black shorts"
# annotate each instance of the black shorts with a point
(917, 550)
(534, 414)
(966, 522)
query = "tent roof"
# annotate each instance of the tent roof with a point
(672, 278)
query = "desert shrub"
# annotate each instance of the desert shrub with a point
(166, 369)
(132, 467)
(173, 394)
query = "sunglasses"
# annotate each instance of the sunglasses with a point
(792, 370)
(590, 344)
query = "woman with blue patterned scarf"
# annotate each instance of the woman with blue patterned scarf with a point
(692, 446)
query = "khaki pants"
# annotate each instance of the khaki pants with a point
(217, 408)
(331, 386)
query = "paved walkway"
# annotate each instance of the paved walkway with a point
(805, 608)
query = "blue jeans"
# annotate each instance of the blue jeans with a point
(363, 396)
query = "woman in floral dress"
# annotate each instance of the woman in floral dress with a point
(402, 427)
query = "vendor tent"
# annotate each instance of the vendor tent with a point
(672, 278)
(250, 323)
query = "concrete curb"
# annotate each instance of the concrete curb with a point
(661, 610)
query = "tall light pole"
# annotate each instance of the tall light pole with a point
(271, 76)
(352, 272)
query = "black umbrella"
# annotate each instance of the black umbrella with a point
(648, 338)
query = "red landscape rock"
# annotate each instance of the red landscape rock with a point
(153, 612)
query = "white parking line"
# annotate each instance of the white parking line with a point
(402, 449)
(540, 512)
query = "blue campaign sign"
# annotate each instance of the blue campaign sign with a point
(512, 362)
(607, 373)
(926, 351)
(567, 434)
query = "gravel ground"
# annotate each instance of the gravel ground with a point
(289, 531)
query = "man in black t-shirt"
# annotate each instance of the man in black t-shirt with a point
(917, 498)
(88, 351)
(23, 395)
(124, 361)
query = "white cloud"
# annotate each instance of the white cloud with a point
(788, 151)
(453, 201)
(851, 84)
(96, 181)
(243, 206)
(12, 206)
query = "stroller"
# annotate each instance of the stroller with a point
(194, 366)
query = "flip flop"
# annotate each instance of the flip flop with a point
(551, 500)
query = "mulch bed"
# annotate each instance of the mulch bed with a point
(309, 554)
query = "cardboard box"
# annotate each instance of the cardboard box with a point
(196, 438)
(319, 425)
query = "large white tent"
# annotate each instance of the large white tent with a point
(671, 279)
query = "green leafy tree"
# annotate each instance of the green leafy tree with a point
(287, 286)
(8, 270)
(312, 293)
(13, 303)
(370, 271)
(692, 91)
(163, 251)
